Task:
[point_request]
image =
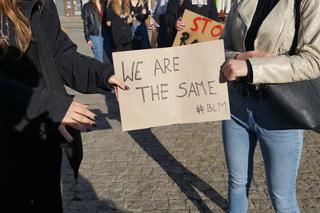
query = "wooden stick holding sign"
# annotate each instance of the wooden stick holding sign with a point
(198, 29)
(172, 85)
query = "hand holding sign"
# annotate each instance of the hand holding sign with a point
(233, 69)
(172, 85)
(180, 25)
(117, 82)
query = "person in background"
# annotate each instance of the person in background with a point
(174, 12)
(257, 45)
(160, 23)
(140, 12)
(107, 35)
(37, 61)
(94, 26)
(119, 19)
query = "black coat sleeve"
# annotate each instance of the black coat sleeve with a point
(21, 105)
(79, 72)
(109, 13)
(213, 12)
(171, 17)
(85, 17)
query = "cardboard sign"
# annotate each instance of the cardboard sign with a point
(198, 29)
(172, 85)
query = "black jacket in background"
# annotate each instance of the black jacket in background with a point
(137, 11)
(175, 10)
(33, 104)
(121, 30)
(91, 19)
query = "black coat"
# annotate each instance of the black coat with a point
(92, 21)
(121, 30)
(33, 104)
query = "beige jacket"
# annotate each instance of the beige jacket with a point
(275, 35)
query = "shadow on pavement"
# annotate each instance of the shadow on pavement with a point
(82, 198)
(184, 178)
(113, 107)
(112, 114)
(102, 122)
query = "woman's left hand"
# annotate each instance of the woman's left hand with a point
(180, 25)
(253, 53)
(233, 69)
(117, 82)
(130, 19)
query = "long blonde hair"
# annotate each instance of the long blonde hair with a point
(120, 9)
(141, 3)
(10, 8)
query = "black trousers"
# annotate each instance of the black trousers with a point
(162, 39)
(30, 174)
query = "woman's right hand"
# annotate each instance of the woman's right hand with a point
(78, 117)
(117, 82)
(180, 25)
(254, 53)
(90, 43)
(130, 19)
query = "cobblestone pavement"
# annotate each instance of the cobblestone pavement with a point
(178, 168)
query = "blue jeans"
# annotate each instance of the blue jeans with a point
(98, 44)
(252, 121)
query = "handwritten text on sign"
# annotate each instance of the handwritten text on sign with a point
(198, 29)
(172, 85)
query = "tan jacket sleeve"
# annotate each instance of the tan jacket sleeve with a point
(302, 66)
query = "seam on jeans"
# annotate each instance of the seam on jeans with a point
(240, 122)
(296, 170)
